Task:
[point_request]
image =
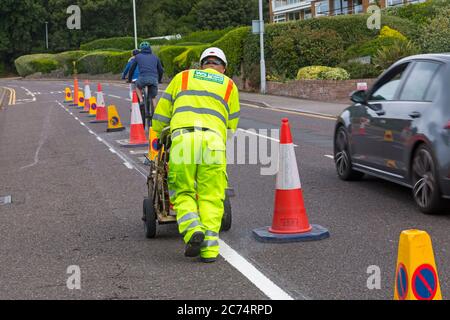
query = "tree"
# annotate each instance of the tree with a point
(221, 14)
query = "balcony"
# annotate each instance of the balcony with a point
(284, 6)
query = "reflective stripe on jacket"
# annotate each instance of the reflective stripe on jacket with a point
(199, 98)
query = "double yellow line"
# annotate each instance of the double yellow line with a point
(12, 96)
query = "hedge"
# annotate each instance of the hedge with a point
(32, 63)
(103, 62)
(118, 43)
(292, 45)
(322, 73)
(419, 13)
(167, 55)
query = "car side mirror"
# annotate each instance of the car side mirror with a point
(359, 96)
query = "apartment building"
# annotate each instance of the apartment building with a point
(288, 10)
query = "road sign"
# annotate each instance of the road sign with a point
(257, 26)
(424, 282)
(402, 281)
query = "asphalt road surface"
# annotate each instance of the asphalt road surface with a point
(77, 201)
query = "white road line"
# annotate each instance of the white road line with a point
(139, 152)
(30, 94)
(260, 135)
(263, 283)
(76, 118)
(113, 96)
(328, 156)
(91, 132)
(99, 139)
(112, 150)
(268, 287)
(128, 165)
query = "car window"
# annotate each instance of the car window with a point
(436, 86)
(387, 87)
(419, 80)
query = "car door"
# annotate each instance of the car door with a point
(382, 95)
(399, 119)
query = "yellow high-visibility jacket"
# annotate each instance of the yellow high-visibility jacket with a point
(199, 98)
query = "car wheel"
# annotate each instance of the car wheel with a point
(426, 191)
(342, 157)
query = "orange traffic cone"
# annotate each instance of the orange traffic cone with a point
(137, 132)
(290, 222)
(75, 93)
(87, 97)
(102, 114)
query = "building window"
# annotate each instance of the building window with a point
(294, 16)
(279, 18)
(308, 14)
(391, 3)
(340, 7)
(322, 8)
(358, 6)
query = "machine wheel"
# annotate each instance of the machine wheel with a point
(227, 216)
(149, 219)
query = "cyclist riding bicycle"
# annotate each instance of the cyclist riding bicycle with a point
(150, 74)
(134, 76)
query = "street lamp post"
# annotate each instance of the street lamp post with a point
(261, 40)
(135, 25)
(46, 34)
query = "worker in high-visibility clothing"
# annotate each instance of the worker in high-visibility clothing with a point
(200, 106)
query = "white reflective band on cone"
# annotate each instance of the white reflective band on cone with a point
(287, 176)
(87, 92)
(100, 99)
(136, 114)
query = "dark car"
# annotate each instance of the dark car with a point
(399, 130)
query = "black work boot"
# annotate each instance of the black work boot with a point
(194, 245)
(208, 260)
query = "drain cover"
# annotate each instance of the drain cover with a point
(5, 200)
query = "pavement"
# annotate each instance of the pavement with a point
(77, 200)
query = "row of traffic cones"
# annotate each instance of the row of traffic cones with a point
(96, 107)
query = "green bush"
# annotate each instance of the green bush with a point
(167, 55)
(386, 56)
(360, 71)
(66, 59)
(118, 43)
(436, 34)
(419, 13)
(322, 73)
(103, 62)
(368, 48)
(233, 46)
(344, 32)
(29, 64)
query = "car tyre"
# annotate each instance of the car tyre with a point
(342, 157)
(426, 190)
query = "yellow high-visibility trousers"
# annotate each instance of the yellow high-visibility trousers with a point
(197, 181)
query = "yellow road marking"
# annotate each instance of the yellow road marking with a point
(12, 96)
(311, 115)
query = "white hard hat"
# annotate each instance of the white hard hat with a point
(214, 52)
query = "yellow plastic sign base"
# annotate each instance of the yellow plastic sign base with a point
(152, 147)
(93, 107)
(416, 275)
(114, 123)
